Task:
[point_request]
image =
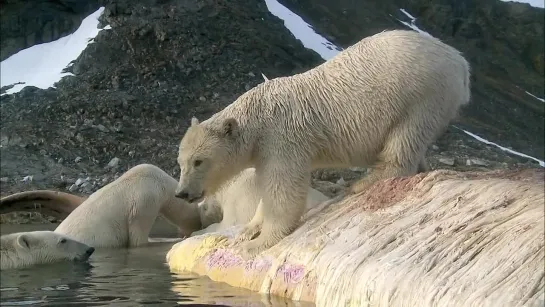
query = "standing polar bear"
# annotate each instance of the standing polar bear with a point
(380, 103)
(23, 249)
(236, 202)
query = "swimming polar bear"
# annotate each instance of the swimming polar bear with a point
(379, 103)
(121, 213)
(236, 202)
(23, 249)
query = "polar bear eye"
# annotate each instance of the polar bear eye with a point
(63, 241)
(197, 163)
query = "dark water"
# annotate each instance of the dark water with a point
(120, 277)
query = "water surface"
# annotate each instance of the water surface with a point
(120, 277)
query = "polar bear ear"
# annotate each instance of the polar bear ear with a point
(230, 127)
(194, 121)
(23, 241)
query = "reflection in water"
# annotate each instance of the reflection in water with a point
(121, 277)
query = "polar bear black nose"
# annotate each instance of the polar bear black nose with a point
(182, 195)
(90, 251)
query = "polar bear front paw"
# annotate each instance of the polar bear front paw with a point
(251, 249)
(249, 232)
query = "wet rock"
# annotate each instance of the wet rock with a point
(102, 128)
(28, 178)
(113, 163)
(81, 181)
(447, 161)
(78, 182)
(341, 181)
(477, 162)
(80, 138)
(87, 187)
(4, 140)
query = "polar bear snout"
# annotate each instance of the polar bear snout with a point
(190, 191)
(90, 251)
(182, 194)
(189, 196)
(86, 255)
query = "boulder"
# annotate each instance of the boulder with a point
(442, 238)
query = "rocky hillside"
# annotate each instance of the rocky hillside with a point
(164, 61)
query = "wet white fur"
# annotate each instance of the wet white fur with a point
(379, 103)
(24, 249)
(236, 202)
(122, 213)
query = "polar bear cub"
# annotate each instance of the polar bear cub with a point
(23, 249)
(237, 201)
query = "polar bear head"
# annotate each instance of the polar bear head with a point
(210, 212)
(38, 247)
(208, 156)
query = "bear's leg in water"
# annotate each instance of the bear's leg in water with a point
(141, 222)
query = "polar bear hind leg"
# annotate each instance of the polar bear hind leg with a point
(423, 166)
(404, 151)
